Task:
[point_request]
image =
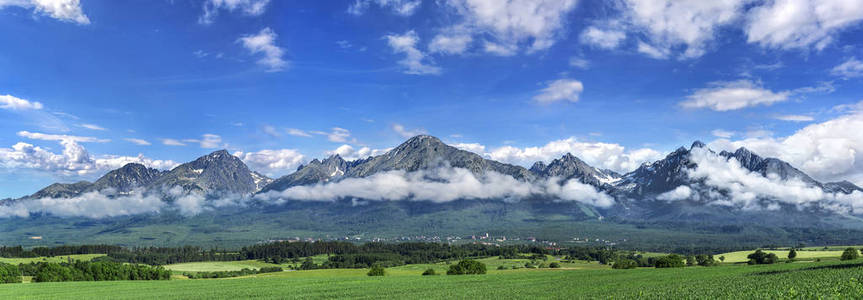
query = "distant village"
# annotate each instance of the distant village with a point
(485, 239)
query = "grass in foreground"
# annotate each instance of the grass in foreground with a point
(810, 280)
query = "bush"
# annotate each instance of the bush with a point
(761, 258)
(376, 271)
(270, 270)
(9, 273)
(501, 268)
(792, 254)
(670, 261)
(850, 254)
(429, 271)
(554, 265)
(466, 267)
(705, 260)
(690, 260)
(624, 264)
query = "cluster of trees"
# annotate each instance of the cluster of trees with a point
(229, 274)
(9, 273)
(167, 256)
(92, 271)
(850, 254)
(18, 251)
(466, 267)
(349, 255)
(762, 258)
(670, 261)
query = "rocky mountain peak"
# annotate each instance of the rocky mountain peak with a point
(127, 178)
(218, 171)
(569, 166)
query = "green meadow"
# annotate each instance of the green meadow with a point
(827, 280)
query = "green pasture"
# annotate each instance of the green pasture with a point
(839, 280)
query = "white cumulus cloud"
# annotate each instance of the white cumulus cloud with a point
(63, 10)
(348, 152)
(413, 62)
(264, 43)
(801, 24)
(748, 190)
(680, 193)
(560, 90)
(14, 103)
(536, 24)
(828, 151)
(733, 95)
(600, 155)
(442, 184)
(273, 162)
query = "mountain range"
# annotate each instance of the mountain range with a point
(666, 191)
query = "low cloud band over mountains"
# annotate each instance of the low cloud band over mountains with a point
(424, 169)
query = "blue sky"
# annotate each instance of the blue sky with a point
(91, 85)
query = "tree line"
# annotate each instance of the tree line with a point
(85, 271)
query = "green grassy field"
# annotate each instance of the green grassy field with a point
(802, 254)
(57, 259)
(801, 280)
(211, 266)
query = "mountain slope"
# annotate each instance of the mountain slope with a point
(314, 172)
(571, 167)
(62, 190)
(126, 178)
(424, 152)
(217, 172)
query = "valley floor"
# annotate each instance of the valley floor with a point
(828, 279)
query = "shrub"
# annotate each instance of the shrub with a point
(762, 258)
(9, 273)
(624, 264)
(466, 267)
(554, 265)
(690, 260)
(850, 254)
(501, 268)
(670, 261)
(376, 271)
(705, 260)
(429, 271)
(792, 254)
(270, 270)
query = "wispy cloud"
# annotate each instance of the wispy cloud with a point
(61, 137)
(138, 142)
(248, 7)
(93, 127)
